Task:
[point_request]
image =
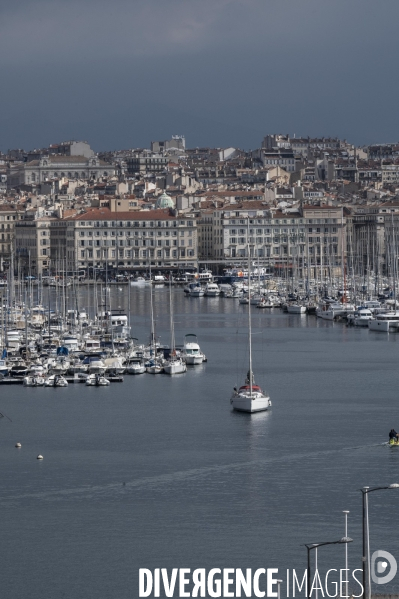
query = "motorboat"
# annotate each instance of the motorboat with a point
(60, 366)
(332, 310)
(385, 322)
(140, 281)
(77, 367)
(115, 365)
(192, 353)
(55, 380)
(33, 381)
(37, 369)
(212, 290)
(197, 291)
(96, 380)
(135, 367)
(19, 370)
(95, 365)
(360, 318)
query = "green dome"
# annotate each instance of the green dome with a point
(164, 201)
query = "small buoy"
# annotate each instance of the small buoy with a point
(18, 445)
(39, 457)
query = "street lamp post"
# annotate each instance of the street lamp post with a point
(366, 535)
(346, 512)
(315, 546)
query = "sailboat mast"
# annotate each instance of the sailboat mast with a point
(172, 332)
(249, 316)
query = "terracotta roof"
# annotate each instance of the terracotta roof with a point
(7, 208)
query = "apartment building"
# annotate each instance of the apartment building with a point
(131, 239)
(9, 216)
(140, 164)
(32, 244)
(373, 239)
(314, 237)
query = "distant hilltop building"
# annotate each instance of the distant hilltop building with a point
(57, 167)
(65, 148)
(178, 142)
(302, 145)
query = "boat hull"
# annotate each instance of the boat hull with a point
(175, 368)
(194, 360)
(246, 403)
(296, 309)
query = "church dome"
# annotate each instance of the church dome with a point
(164, 201)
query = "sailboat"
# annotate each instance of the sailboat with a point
(250, 397)
(175, 364)
(154, 364)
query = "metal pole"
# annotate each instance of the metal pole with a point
(308, 548)
(346, 512)
(364, 493)
(315, 570)
(368, 548)
(278, 588)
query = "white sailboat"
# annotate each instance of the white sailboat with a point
(250, 397)
(154, 364)
(175, 364)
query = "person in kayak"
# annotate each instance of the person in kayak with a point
(393, 434)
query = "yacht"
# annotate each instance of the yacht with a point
(197, 291)
(192, 353)
(136, 367)
(95, 365)
(361, 317)
(385, 322)
(212, 290)
(330, 310)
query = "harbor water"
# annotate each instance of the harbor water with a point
(159, 472)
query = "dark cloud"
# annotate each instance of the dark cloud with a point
(223, 72)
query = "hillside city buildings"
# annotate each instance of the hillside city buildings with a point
(308, 204)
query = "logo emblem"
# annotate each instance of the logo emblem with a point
(380, 560)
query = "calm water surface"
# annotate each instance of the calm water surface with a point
(204, 486)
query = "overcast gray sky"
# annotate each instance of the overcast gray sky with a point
(120, 73)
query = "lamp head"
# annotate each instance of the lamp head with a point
(394, 486)
(346, 540)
